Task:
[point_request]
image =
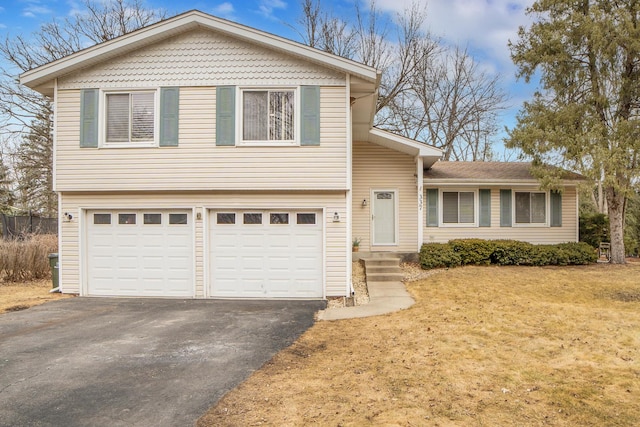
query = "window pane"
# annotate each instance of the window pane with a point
(255, 115)
(152, 218)
(225, 218)
(142, 105)
(523, 208)
(538, 208)
(126, 218)
(450, 207)
(279, 218)
(102, 219)
(253, 218)
(466, 208)
(281, 116)
(306, 218)
(117, 118)
(180, 218)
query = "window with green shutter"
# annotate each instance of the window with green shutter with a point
(484, 196)
(505, 208)
(432, 207)
(310, 112)
(225, 115)
(89, 118)
(169, 109)
(556, 209)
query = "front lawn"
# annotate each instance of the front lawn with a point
(483, 346)
(22, 295)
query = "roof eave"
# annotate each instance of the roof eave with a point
(184, 22)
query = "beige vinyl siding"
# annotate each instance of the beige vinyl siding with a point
(335, 232)
(533, 234)
(197, 163)
(376, 167)
(201, 58)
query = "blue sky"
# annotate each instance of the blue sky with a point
(484, 26)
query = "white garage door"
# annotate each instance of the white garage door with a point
(140, 253)
(265, 254)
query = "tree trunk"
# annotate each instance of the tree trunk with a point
(615, 202)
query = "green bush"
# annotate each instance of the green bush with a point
(512, 252)
(438, 255)
(504, 252)
(579, 253)
(473, 251)
(594, 229)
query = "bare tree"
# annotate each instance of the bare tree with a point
(428, 92)
(26, 114)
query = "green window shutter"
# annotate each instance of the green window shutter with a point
(310, 113)
(556, 209)
(485, 208)
(505, 208)
(226, 115)
(89, 118)
(169, 100)
(432, 207)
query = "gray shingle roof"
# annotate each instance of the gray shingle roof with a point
(486, 171)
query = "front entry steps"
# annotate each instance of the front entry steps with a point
(384, 284)
(381, 267)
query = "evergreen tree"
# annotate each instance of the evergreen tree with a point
(586, 114)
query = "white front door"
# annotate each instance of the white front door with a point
(384, 217)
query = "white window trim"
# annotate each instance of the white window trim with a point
(476, 208)
(547, 209)
(240, 117)
(102, 123)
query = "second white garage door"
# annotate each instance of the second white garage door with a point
(265, 254)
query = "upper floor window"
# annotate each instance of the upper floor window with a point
(268, 115)
(530, 207)
(130, 117)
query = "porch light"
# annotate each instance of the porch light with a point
(336, 217)
(364, 203)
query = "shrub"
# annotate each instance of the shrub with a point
(23, 260)
(504, 252)
(473, 251)
(579, 253)
(437, 255)
(512, 252)
(594, 229)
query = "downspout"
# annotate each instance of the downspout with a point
(349, 142)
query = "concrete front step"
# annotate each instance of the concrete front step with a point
(383, 269)
(379, 262)
(384, 277)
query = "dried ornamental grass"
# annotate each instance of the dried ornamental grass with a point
(25, 260)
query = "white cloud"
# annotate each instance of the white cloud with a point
(32, 10)
(485, 25)
(224, 10)
(266, 7)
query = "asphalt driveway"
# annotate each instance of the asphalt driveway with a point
(135, 362)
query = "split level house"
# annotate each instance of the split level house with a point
(199, 158)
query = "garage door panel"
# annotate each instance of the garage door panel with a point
(141, 259)
(263, 260)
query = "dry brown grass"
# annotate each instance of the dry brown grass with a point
(20, 296)
(482, 346)
(26, 260)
